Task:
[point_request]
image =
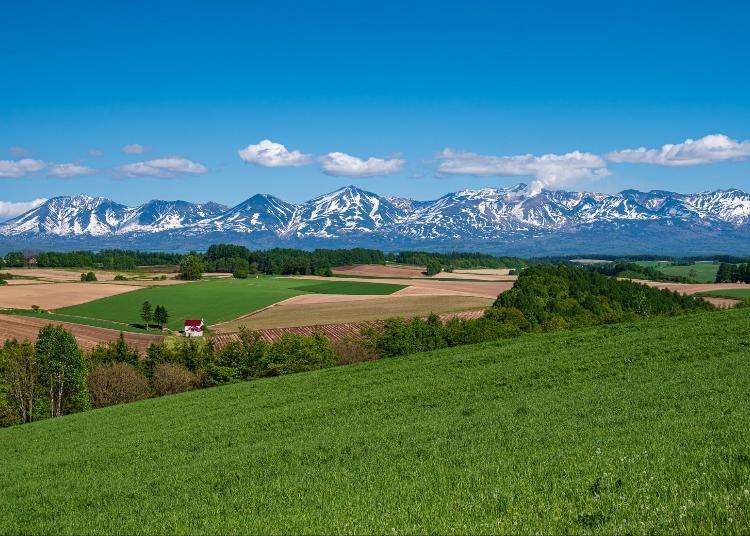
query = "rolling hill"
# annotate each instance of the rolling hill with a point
(630, 428)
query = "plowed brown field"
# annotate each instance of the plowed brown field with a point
(23, 327)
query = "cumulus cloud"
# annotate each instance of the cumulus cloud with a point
(345, 165)
(9, 209)
(271, 154)
(162, 167)
(19, 168)
(706, 150)
(548, 171)
(19, 151)
(134, 148)
(65, 171)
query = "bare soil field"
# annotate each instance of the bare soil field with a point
(56, 275)
(53, 296)
(378, 270)
(721, 303)
(332, 331)
(22, 327)
(334, 309)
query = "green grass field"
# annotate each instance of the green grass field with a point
(346, 287)
(640, 428)
(738, 293)
(700, 272)
(214, 300)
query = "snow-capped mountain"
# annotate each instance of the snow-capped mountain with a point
(492, 219)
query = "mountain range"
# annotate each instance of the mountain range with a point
(499, 220)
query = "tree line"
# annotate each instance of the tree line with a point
(733, 273)
(108, 259)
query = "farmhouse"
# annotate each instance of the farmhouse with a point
(194, 328)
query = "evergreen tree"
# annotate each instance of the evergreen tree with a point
(147, 314)
(161, 316)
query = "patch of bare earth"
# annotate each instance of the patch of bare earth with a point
(54, 296)
(693, 288)
(483, 289)
(22, 327)
(378, 270)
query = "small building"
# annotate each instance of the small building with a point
(194, 328)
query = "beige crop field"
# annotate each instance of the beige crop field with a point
(378, 270)
(303, 311)
(56, 295)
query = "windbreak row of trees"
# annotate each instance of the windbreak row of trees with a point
(109, 259)
(733, 273)
(282, 261)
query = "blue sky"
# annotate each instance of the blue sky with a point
(443, 96)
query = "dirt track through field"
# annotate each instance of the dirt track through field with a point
(23, 327)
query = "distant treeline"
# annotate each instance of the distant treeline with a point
(733, 273)
(731, 259)
(231, 258)
(458, 260)
(109, 259)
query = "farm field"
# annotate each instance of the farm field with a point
(301, 311)
(736, 293)
(56, 295)
(88, 334)
(582, 431)
(702, 272)
(402, 271)
(214, 300)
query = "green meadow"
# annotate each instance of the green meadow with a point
(700, 272)
(634, 428)
(214, 300)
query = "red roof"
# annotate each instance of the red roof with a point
(193, 323)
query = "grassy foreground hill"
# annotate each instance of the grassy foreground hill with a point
(628, 428)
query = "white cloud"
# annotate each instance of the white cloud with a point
(19, 168)
(134, 148)
(9, 209)
(707, 150)
(95, 152)
(548, 171)
(345, 165)
(19, 151)
(65, 171)
(162, 167)
(271, 154)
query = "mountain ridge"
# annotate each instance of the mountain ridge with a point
(487, 219)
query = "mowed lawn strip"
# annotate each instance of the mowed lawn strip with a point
(628, 428)
(213, 300)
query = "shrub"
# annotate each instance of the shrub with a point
(295, 353)
(350, 350)
(117, 351)
(116, 383)
(3, 282)
(88, 276)
(120, 277)
(171, 378)
(240, 273)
